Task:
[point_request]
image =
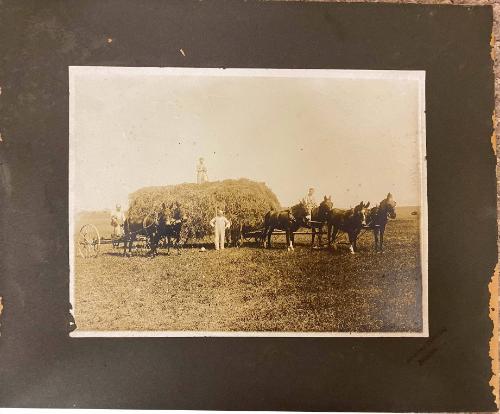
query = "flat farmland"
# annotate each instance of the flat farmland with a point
(256, 289)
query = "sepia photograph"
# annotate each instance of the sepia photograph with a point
(250, 205)
(247, 202)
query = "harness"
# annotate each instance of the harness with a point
(143, 227)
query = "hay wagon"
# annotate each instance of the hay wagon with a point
(256, 234)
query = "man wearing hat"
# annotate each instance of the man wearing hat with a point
(220, 224)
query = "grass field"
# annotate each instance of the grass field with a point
(254, 289)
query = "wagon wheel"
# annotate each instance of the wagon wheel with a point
(89, 241)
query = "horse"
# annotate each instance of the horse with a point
(147, 227)
(289, 220)
(349, 221)
(319, 216)
(170, 227)
(377, 220)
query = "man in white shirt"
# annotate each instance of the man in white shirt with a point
(310, 202)
(220, 224)
(201, 172)
(117, 220)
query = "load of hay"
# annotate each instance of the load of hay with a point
(243, 201)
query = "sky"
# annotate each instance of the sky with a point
(354, 135)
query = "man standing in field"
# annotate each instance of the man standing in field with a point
(201, 172)
(220, 224)
(117, 220)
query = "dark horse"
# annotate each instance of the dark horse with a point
(155, 227)
(146, 227)
(349, 221)
(170, 226)
(378, 217)
(289, 220)
(319, 216)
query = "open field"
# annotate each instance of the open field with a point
(253, 289)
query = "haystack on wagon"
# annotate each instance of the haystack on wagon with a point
(244, 202)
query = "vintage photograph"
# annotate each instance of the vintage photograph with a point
(247, 202)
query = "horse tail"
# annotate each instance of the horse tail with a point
(267, 224)
(267, 219)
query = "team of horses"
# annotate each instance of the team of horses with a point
(167, 224)
(350, 221)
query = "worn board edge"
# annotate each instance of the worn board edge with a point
(493, 286)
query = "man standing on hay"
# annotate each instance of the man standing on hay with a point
(220, 224)
(201, 172)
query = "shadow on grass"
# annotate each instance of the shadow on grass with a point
(341, 249)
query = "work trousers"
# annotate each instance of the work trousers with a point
(219, 239)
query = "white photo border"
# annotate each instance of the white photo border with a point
(416, 75)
